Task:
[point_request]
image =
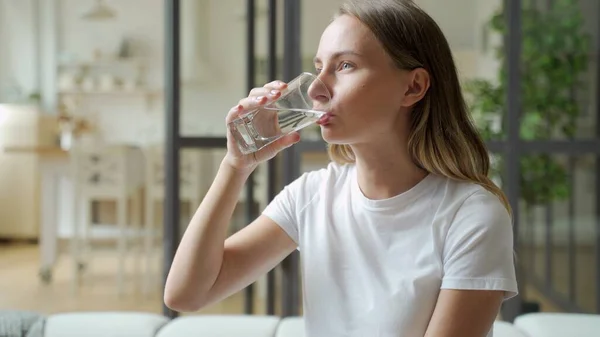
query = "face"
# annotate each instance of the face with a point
(370, 96)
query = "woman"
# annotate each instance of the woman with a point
(403, 234)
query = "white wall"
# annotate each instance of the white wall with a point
(204, 103)
(18, 52)
(462, 24)
(120, 118)
(3, 52)
(205, 106)
(316, 16)
(18, 186)
(457, 20)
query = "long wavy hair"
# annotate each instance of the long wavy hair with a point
(443, 138)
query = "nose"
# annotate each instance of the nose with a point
(320, 94)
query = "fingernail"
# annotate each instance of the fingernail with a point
(259, 98)
(274, 92)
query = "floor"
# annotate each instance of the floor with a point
(584, 277)
(22, 289)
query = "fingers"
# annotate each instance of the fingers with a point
(277, 85)
(259, 92)
(252, 102)
(264, 91)
(257, 97)
(272, 149)
(245, 105)
(289, 139)
(269, 90)
(233, 113)
(260, 95)
(249, 103)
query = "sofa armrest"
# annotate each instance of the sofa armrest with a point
(505, 329)
(291, 327)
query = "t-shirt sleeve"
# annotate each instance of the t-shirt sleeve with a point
(287, 204)
(478, 251)
(282, 209)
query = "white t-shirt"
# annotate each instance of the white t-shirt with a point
(375, 267)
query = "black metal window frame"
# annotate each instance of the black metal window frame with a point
(512, 148)
(174, 142)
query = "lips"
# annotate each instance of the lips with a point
(325, 119)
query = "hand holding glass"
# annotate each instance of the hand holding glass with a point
(292, 111)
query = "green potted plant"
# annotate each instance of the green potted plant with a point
(554, 60)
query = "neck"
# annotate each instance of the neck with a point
(385, 170)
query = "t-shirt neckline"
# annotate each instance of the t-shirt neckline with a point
(396, 201)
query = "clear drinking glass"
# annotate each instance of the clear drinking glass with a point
(292, 111)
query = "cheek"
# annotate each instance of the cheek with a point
(353, 101)
(370, 104)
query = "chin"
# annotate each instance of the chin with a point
(332, 137)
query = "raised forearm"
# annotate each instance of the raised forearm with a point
(200, 254)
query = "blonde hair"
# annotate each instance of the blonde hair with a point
(443, 138)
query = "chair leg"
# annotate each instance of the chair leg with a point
(121, 243)
(148, 244)
(80, 242)
(86, 242)
(138, 236)
(74, 247)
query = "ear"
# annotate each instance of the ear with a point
(417, 86)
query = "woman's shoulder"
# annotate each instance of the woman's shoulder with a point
(467, 194)
(467, 202)
(307, 187)
(472, 201)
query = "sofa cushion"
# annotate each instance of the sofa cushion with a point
(505, 329)
(14, 323)
(294, 327)
(221, 326)
(104, 324)
(559, 324)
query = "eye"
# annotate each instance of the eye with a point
(346, 66)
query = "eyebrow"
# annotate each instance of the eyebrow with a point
(338, 54)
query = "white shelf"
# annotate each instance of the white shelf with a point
(149, 96)
(112, 93)
(104, 62)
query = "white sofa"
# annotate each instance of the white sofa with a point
(559, 325)
(131, 324)
(294, 327)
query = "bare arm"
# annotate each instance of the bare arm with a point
(464, 313)
(248, 254)
(208, 268)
